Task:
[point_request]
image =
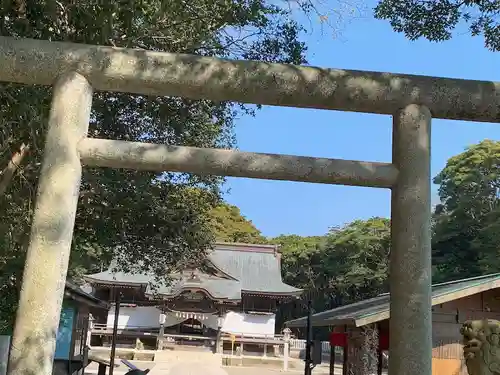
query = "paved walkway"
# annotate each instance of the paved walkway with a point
(189, 369)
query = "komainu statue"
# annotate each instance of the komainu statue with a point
(482, 346)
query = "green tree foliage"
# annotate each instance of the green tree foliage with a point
(358, 256)
(465, 231)
(437, 19)
(347, 265)
(158, 220)
(229, 225)
(297, 252)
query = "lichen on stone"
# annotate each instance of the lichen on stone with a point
(482, 346)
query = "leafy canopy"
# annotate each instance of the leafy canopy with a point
(465, 228)
(229, 225)
(346, 265)
(436, 20)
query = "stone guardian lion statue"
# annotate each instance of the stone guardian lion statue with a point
(482, 346)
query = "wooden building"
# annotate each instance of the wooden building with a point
(236, 291)
(72, 349)
(362, 328)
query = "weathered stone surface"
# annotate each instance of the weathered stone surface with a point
(362, 356)
(38, 314)
(410, 259)
(32, 61)
(482, 346)
(147, 156)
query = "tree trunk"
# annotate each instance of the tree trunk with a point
(362, 356)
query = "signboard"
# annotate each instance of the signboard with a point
(192, 301)
(192, 296)
(233, 338)
(64, 333)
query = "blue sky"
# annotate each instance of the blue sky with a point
(277, 207)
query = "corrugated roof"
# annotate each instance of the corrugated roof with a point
(251, 269)
(378, 308)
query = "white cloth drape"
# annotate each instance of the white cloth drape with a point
(255, 325)
(212, 322)
(172, 320)
(142, 317)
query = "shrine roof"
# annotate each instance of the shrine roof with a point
(245, 268)
(217, 288)
(258, 271)
(74, 292)
(377, 309)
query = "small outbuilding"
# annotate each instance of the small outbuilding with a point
(73, 336)
(362, 328)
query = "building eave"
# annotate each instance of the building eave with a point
(113, 283)
(74, 293)
(482, 284)
(184, 289)
(273, 294)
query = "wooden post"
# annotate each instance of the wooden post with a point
(379, 352)
(115, 333)
(379, 364)
(308, 360)
(345, 354)
(101, 370)
(332, 360)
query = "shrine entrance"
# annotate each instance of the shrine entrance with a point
(76, 70)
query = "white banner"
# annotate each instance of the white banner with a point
(254, 325)
(141, 317)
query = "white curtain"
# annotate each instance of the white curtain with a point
(172, 319)
(141, 317)
(212, 322)
(249, 324)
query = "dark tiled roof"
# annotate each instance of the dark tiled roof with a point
(257, 271)
(119, 278)
(250, 269)
(380, 304)
(76, 293)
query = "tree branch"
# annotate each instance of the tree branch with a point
(11, 168)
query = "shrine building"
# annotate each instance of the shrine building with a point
(236, 291)
(362, 328)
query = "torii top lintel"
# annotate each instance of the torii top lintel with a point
(31, 61)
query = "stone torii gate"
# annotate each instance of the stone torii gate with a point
(76, 70)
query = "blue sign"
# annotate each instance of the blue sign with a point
(65, 333)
